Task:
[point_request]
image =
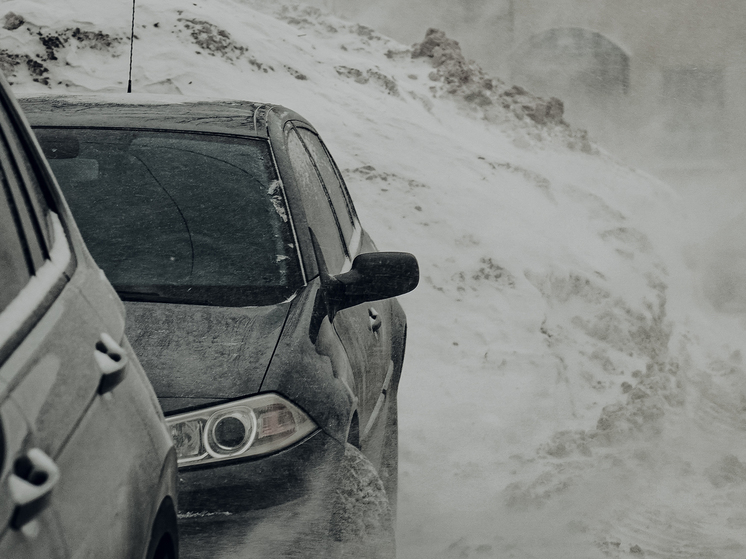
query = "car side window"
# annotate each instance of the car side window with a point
(36, 203)
(14, 264)
(32, 240)
(331, 181)
(27, 203)
(319, 213)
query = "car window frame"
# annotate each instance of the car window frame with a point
(27, 226)
(307, 137)
(16, 257)
(288, 128)
(300, 126)
(353, 246)
(288, 206)
(39, 224)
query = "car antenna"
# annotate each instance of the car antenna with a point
(132, 44)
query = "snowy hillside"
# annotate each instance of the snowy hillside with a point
(566, 392)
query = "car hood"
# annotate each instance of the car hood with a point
(196, 355)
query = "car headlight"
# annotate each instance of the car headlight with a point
(250, 427)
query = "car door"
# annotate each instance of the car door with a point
(363, 329)
(27, 476)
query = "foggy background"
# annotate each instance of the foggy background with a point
(547, 409)
(662, 85)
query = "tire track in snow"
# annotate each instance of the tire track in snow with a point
(669, 534)
(718, 415)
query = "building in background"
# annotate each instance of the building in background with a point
(663, 83)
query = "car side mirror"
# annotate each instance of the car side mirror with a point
(374, 276)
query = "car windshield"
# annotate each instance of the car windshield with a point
(178, 217)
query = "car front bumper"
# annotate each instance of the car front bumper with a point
(279, 505)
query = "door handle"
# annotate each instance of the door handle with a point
(112, 362)
(30, 484)
(375, 319)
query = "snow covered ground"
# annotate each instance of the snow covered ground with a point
(568, 390)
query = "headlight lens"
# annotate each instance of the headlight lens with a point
(251, 427)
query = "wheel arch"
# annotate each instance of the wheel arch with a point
(164, 536)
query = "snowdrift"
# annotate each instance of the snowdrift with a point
(566, 391)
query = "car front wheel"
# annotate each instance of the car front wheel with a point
(362, 522)
(164, 539)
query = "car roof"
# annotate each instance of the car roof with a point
(167, 112)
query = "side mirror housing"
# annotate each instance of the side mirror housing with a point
(374, 276)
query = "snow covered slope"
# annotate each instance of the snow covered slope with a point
(566, 393)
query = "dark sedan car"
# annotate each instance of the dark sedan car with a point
(259, 307)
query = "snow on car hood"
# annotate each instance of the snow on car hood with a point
(193, 354)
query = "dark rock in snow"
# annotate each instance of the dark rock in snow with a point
(465, 79)
(13, 21)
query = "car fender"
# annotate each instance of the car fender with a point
(398, 341)
(311, 369)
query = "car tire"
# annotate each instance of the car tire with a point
(362, 523)
(164, 539)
